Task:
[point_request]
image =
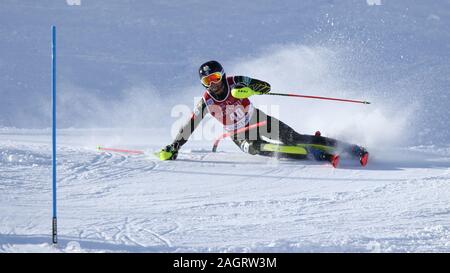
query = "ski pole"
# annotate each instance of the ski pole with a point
(216, 142)
(99, 148)
(316, 97)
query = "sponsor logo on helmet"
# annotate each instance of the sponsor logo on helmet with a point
(206, 69)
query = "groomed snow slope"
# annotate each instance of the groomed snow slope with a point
(220, 202)
(132, 64)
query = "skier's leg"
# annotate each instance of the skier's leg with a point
(252, 147)
(264, 148)
(291, 136)
(278, 130)
(251, 143)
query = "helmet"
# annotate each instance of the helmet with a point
(210, 68)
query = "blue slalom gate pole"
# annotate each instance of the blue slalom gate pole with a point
(54, 232)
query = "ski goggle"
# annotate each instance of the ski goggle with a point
(211, 78)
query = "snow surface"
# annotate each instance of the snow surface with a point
(131, 66)
(221, 202)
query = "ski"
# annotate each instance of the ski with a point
(361, 154)
(364, 158)
(286, 149)
(318, 152)
(333, 159)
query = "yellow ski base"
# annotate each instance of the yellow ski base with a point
(299, 149)
(284, 149)
(327, 149)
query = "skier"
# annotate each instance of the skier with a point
(226, 99)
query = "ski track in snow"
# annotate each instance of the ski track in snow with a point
(220, 202)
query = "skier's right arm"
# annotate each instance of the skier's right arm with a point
(170, 152)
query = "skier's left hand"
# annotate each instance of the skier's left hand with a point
(243, 92)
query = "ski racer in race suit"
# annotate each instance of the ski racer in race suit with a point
(226, 99)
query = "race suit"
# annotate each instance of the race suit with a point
(236, 113)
